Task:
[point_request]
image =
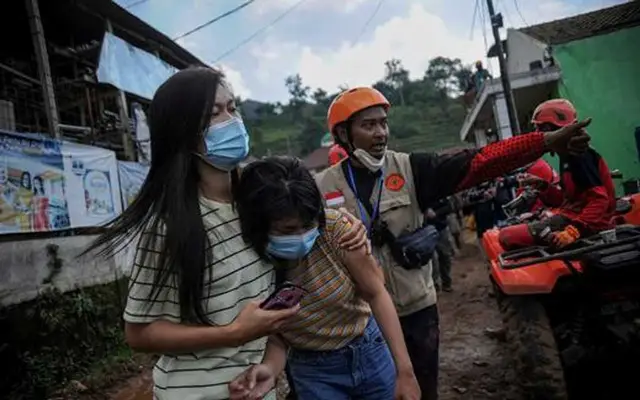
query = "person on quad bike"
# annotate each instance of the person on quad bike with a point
(540, 174)
(336, 154)
(585, 201)
(391, 191)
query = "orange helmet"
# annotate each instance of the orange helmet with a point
(337, 154)
(349, 102)
(559, 112)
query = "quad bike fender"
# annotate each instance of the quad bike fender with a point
(491, 244)
(633, 216)
(532, 279)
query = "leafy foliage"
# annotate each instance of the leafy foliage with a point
(56, 337)
(426, 115)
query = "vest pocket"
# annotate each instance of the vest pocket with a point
(406, 286)
(396, 213)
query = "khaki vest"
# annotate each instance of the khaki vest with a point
(411, 290)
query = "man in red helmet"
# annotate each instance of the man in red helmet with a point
(391, 192)
(541, 175)
(336, 154)
(585, 199)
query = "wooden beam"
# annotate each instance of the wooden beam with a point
(19, 74)
(44, 69)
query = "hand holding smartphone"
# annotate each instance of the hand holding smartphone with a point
(284, 297)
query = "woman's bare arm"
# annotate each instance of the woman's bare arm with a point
(370, 283)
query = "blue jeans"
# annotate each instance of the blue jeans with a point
(364, 369)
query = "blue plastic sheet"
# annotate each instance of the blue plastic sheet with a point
(131, 69)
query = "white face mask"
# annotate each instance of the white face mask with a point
(370, 162)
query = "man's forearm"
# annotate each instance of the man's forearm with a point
(502, 157)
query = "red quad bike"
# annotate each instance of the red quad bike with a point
(572, 316)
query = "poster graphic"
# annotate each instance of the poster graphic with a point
(92, 181)
(97, 193)
(32, 185)
(132, 176)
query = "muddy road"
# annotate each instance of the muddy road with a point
(473, 364)
(472, 360)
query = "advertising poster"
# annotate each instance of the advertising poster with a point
(91, 174)
(132, 176)
(32, 185)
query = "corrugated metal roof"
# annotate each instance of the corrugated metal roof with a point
(581, 26)
(586, 25)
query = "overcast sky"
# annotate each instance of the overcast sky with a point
(329, 43)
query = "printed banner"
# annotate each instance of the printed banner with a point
(132, 176)
(32, 185)
(131, 69)
(47, 185)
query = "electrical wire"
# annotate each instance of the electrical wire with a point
(366, 24)
(260, 31)
(216, 19)
(135, 3)
(515, 2)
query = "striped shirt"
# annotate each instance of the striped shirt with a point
(235, 276)
(331, 314)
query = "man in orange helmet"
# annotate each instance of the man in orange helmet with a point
(391, 192)
(585, 200)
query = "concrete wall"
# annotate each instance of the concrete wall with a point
(601, 78)
(25, 265)
(523, 50)
(501, 116)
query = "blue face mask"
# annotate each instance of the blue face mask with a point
(226, 144)
(292, 247)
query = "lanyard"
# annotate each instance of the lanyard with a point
(376, 204)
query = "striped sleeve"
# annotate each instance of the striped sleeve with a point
(145, 305)
(337, 225)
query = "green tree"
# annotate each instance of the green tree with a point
(448, 75)
(426, 113)
(396, 76)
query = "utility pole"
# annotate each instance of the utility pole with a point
(496, 24)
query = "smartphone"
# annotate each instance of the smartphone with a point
(285, 296)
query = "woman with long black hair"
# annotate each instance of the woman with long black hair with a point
(196, 286)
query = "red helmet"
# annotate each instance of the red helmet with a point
(351, 101)
(559, 112)
(336, 154)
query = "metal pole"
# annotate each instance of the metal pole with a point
(44, 69)
(496, 23)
